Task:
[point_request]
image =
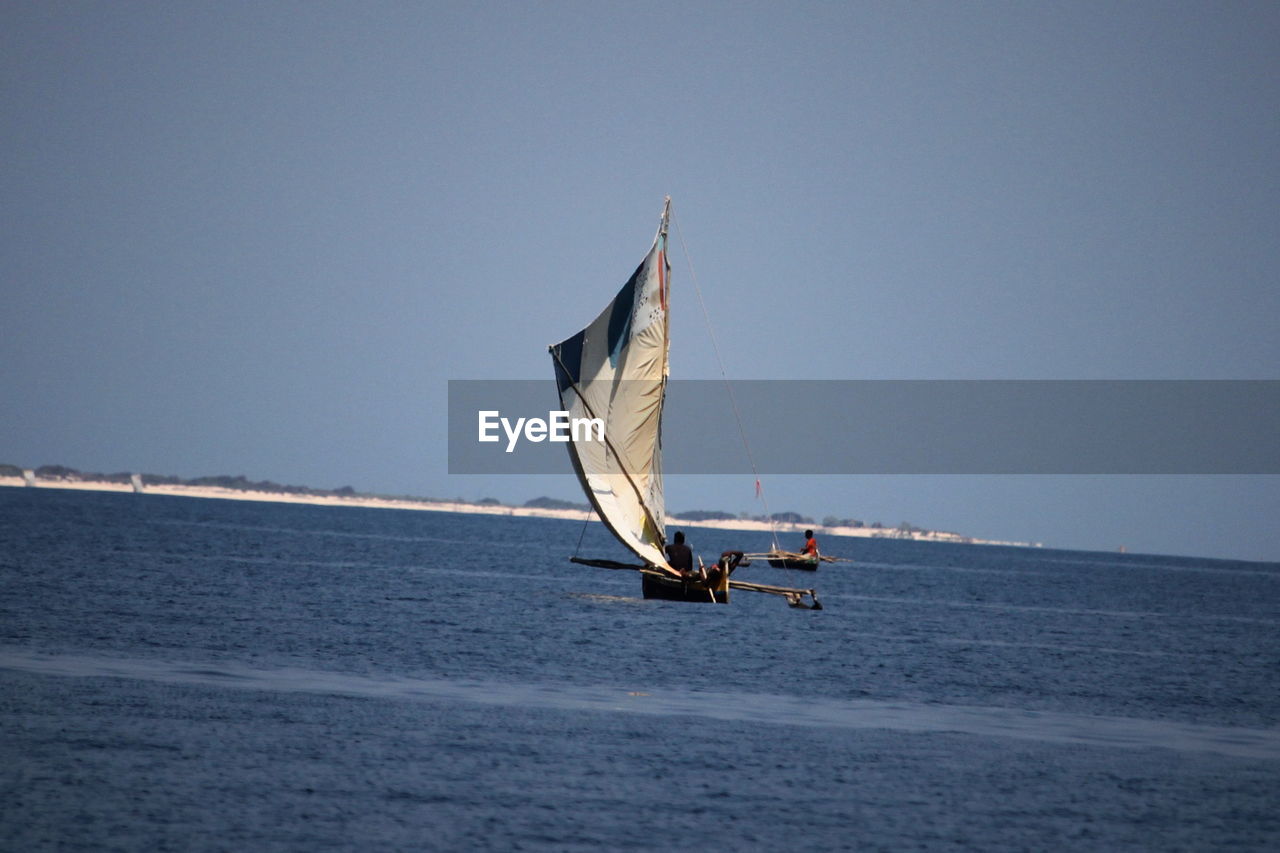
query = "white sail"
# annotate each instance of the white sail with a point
(616, 370)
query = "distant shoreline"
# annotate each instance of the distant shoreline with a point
(489, 509)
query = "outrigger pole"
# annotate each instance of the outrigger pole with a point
(794, 597)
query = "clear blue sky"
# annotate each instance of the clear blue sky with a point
(258, 238)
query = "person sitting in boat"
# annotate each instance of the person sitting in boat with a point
(810, 551)
(728, 561)
(680, 556)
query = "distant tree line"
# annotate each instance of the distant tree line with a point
(62, 472)
(718, 515)
(703, 515)
(239, 483)
(243, 483)
(554, 503)
(790, 518)
(832, 521)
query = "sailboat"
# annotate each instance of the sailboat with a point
(615, 370)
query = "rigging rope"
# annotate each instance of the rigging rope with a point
(585, 521)
(693, 277)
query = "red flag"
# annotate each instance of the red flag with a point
(758, 489)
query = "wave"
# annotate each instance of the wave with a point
(1043, 726)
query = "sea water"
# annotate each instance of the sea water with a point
(191, 674)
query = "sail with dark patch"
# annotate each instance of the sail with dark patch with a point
(615, 370)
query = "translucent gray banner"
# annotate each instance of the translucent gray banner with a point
(903, 427)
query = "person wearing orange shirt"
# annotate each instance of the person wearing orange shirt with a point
(810, 546)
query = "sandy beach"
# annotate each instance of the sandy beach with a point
(487, 509)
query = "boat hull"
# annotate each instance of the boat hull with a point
(670, 589)
(802, 565)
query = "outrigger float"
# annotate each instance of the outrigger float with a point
(616, 370)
